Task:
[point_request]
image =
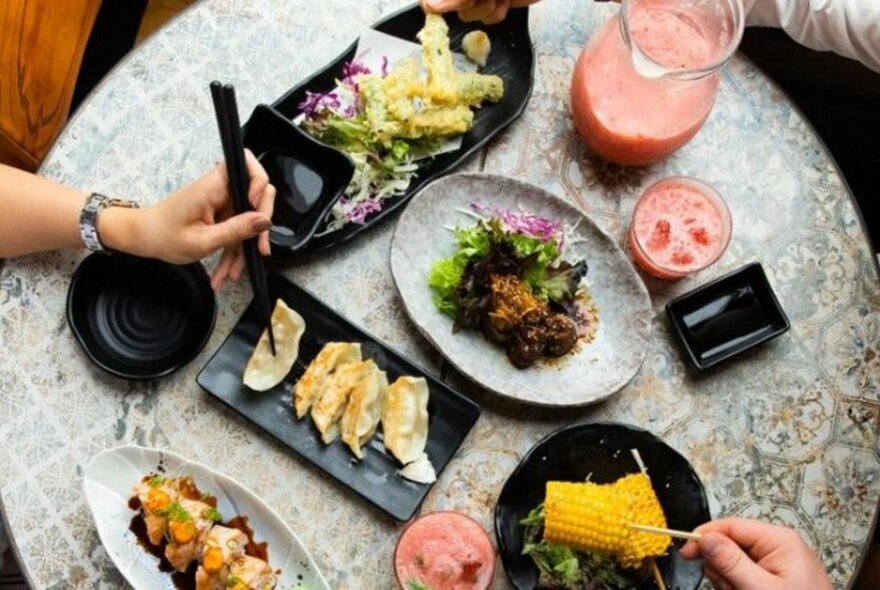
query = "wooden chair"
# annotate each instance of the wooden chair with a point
(41, 49)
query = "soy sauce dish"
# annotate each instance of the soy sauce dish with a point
(727, 316)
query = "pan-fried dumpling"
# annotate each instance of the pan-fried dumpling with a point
(333, 355)
(364, 410)
(265, 371)
(420, 471)
(405, 419)
(329, 406)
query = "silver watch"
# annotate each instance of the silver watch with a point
(88, 220)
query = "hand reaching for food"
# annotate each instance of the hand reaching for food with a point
(742, 554)
(489, 12)
(198, 219)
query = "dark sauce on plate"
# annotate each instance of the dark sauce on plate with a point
(727, 321)
(187, 580)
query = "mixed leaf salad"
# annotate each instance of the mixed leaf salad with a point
(562, 568)
(509, 279)
(384, 120)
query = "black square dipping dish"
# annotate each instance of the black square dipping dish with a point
(138, 318)
(309, 176)
(727, 316)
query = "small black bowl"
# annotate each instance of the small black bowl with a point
(138, 318)
(727, 316)
(601, 451)
(309, 176)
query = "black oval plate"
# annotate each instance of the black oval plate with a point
(512, 58)
(138, 318)
(601, 451)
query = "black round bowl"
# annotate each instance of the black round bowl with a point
(602, 452)
(138, 318)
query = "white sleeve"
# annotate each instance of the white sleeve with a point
(848, 27)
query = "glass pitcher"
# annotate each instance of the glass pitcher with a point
(645, 83)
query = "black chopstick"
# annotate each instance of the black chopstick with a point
(226, 109)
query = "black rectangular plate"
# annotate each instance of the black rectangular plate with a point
(375, 478)
(727, 316)
(512, 58)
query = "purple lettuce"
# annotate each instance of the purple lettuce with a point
(523, 223)
(318, 101)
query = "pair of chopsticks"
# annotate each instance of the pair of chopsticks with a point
(226, 109)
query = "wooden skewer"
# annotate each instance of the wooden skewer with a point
(671, 532)
(658, 577)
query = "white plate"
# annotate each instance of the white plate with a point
(593, 372)
(108, 481)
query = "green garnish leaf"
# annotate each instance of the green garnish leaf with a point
(416, 585)
(232, 580)
(175, 513)
(535, 517)
(212, 514)
(156, 481)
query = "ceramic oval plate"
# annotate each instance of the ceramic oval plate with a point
(602, 452)
(108, 481)
(592, 372)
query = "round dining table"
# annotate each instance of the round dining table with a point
(787, 432)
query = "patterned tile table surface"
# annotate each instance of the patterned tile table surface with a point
(787, 433)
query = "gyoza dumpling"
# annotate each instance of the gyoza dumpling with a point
(328, 407)
(319, 370)
(250, 573)
(420, 471)
(265, 371)
(405, 418)
(221, 548)
(190, 521)
(364, 410)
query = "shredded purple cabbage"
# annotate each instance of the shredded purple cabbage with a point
(526, 224)
(384, 69)
(359, 213)
(318, 101)
(350, 71)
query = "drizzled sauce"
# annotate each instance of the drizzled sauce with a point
(187, 580)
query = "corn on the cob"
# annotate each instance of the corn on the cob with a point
(597, 518)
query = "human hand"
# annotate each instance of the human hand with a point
(488, 11)
(742, 554)
(196, 220)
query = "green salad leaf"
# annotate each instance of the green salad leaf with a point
(562, 567)
(446, 273)
(549, 277)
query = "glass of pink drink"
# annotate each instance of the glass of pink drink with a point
(646, 81)
(679, 226)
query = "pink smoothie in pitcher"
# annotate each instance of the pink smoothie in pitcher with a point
(633, 119)
(679, 226)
